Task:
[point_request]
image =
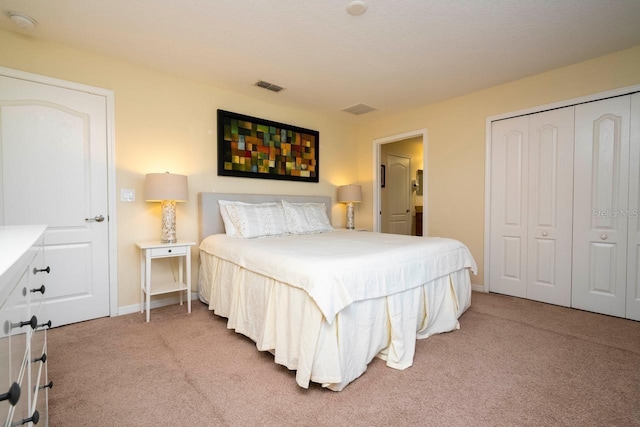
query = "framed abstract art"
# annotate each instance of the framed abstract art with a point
(251, 147)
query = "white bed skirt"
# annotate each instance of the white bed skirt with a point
(285, 321)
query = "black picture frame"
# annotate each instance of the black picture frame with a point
(251, 147)
(383, 176)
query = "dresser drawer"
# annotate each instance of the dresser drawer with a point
(7, 377)
(38, 273)
(16, 324)
(160, 252)
(38, 358)
(13, 349)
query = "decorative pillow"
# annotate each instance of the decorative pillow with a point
(257, 220)
(229, 228)
(306, 218)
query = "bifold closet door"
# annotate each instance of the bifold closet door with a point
(531, 206)
(509, 181)
(601, 206)
(551, 137)
(633, 256)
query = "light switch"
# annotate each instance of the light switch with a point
(127, 195)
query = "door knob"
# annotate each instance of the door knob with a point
(545, 234)
(97, 218)
(604, 237)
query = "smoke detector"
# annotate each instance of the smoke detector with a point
(356, 8)
(23, 22)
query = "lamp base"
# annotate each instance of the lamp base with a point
(350, 216)
(168, 221)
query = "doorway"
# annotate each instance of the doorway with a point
(411, 145)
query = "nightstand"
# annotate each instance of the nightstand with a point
(155, 250)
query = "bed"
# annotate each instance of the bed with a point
(326, 303)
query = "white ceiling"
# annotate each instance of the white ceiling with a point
(400, 54)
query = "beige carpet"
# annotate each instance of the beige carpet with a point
(513, 363)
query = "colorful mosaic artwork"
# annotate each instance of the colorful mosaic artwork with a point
(258, 148)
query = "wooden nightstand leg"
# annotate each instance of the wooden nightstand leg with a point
(181, 262)
(188, 279)
(142, 280)
(148, 282)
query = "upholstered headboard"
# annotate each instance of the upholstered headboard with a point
(209, 210)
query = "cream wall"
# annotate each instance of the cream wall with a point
(456, 140)
(168, 123)
(165, 123)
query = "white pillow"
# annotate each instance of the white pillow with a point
(229, 228)
(257, 220)
(306, 218)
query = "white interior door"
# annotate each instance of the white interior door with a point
(399, 194)
(509, 181)
(633, 257)
(601, 176)
(550, 199)
(54, 171)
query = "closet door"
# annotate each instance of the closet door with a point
(633, 257)
(550, 215)
(601, 176)
(509, 181)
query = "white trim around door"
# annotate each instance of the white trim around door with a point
(376, 173)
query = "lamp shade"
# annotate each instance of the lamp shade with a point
(165, 186)
(350, 193)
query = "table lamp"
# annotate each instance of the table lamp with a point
(166, 188)
(350, 194)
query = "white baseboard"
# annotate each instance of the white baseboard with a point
(135, 308)
(477, 288)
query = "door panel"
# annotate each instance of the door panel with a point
(633, 258)
(54, 172)
(398, 176)
(601, 170)
(545, 265)
(511, 265)
(602, 272)
(509, 170)
(550, 216)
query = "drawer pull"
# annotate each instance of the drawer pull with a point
(42, 359)
(32, 419)
(33, 322)
(41, 289)
(47, 324)
(13, 395)
(50, 385)
(40, 270)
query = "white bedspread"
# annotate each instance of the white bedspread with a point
(338, 268)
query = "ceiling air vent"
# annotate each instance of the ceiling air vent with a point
(269, 86)
(359, 109)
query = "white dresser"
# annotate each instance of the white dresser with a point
(24, 383)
